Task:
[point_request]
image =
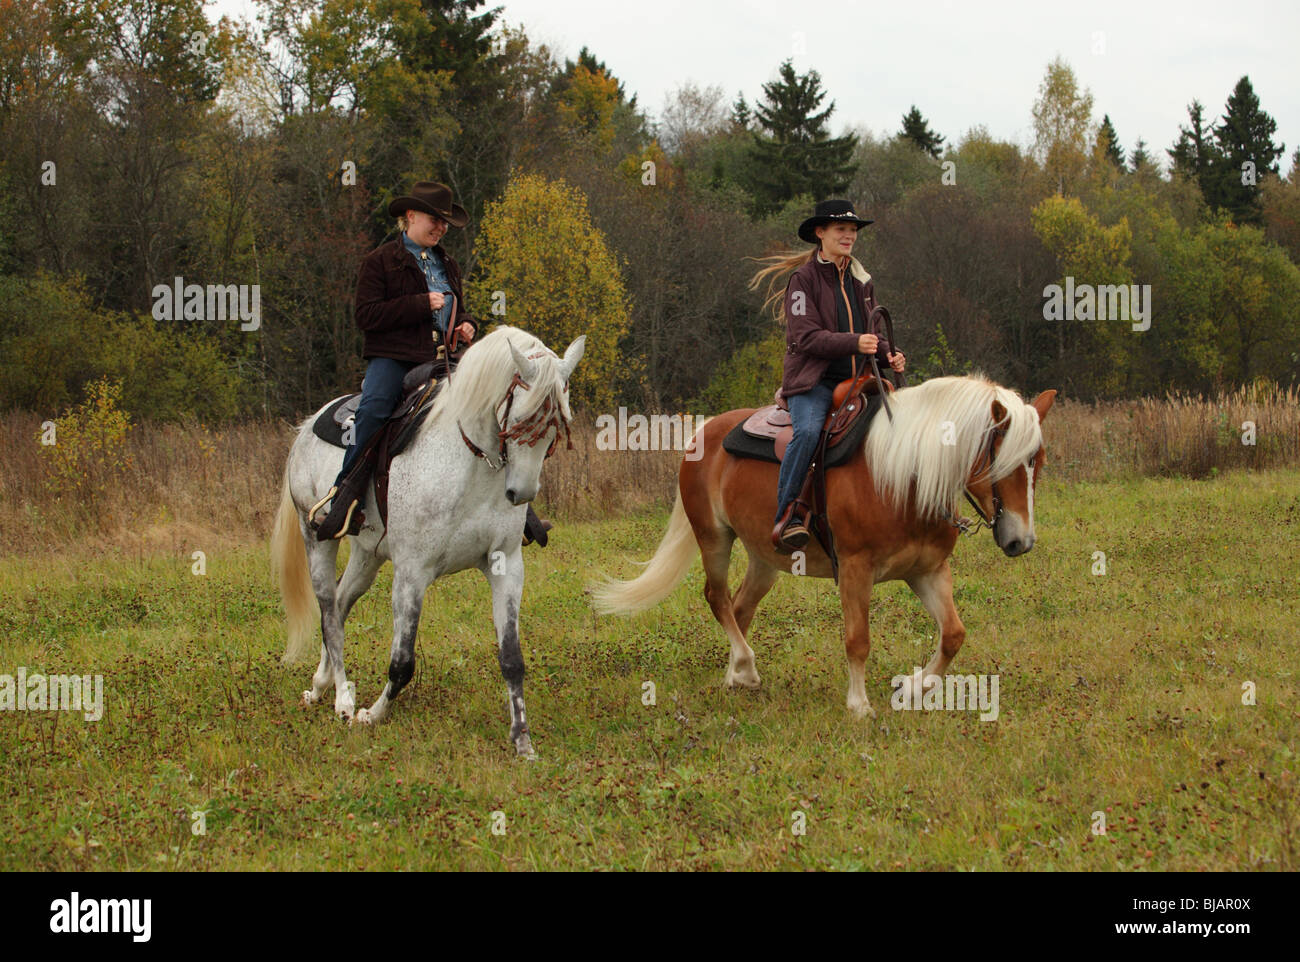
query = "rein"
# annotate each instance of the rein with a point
(528, 431)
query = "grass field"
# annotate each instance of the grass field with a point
(1120, 693)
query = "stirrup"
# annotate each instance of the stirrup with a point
(311, 512)
(325, 530)
(791, 531)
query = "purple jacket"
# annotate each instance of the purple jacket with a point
(813, 338)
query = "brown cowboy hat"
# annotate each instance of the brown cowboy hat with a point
(431, 198)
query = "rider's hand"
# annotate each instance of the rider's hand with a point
(867, 343)
(435, 301)
(466, 331)
(897, 361)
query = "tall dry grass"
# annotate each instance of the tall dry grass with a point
(193, 487)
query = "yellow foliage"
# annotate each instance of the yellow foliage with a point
(1085, 249)
(587, 105)
(538, 248)
(89, 449)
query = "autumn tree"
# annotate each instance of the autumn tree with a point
(1090, 355)
(1062, 118)
(545, 268)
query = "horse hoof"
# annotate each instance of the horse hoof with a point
(863, 711)
(524, 748)
(309, 697)
(363, 717)
(750, 681)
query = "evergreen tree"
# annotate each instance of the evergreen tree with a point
(741, 115)
(1245, 141)
(1140, 159)
(795, 154)
(917, 130)
(1110, 142)
(1195, 155)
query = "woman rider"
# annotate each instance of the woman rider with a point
(408, 301)
(827, 307)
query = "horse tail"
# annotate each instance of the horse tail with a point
(662, 573)
(289, 562)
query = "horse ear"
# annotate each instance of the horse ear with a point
(527, 368)
(572, 355)
(999, 412)
(1043, 403)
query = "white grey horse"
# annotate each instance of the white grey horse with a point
(449, 508)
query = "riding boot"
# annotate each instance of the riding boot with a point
(345, 515)
(791, 531)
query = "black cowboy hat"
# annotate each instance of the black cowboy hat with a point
(829, 212)
(431, 198)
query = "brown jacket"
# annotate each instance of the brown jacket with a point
(392, 304)
(813, 337)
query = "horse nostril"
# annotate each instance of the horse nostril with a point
(510, 495)
(1013, 547)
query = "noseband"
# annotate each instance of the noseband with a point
(528, 431)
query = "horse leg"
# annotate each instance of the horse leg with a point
(408, 602)
(856, 580)
(759, 579)
(357, 578)
(935, 591)
(506, 576)
(321, 561)
(715, 550)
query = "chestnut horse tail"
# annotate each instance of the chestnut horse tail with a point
(289, 562)
(663, 572)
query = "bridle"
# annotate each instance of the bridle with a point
(528, 431)
(996, 431)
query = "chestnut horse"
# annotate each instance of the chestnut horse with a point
(892, 508)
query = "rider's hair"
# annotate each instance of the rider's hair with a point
(775, 276)
(402, 222)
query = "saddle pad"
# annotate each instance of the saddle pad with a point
(743, 445)
(334, 419)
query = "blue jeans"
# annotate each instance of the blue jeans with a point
(807, 413)
(380, 392)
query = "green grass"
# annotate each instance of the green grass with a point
(1120, 693)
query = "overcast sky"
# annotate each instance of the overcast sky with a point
(962, 64)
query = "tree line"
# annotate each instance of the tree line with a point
(143, 144)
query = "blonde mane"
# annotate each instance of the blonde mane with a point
(911, 449)
(483, 376)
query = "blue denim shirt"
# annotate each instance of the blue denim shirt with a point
(435, 275)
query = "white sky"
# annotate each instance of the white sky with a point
(962, 64)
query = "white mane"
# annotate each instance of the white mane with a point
(483, 376)
(912, 449)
